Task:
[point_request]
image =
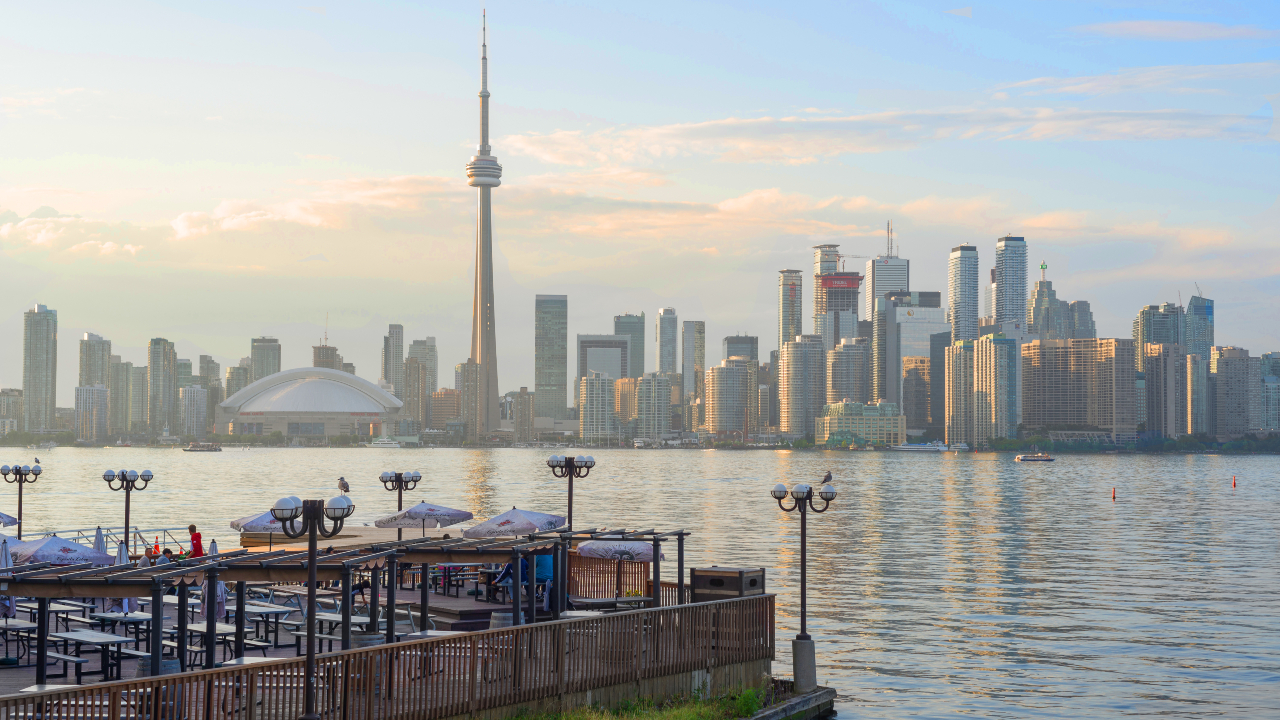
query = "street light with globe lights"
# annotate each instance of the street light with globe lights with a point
(399, 482)
(128, 481)
(308, 516)
(22, 474)
(804, 663)
(571, 467)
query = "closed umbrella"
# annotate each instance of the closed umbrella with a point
(213, 547)
(7, 609)
(123, 605)
(263, 523)
(633, 550)
(514, 522)
(56, 551)
(424, 514)
(99, 541)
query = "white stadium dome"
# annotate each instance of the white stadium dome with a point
(309, 402)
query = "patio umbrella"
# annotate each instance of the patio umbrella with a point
(514, 522)
(633, 550)
(57, 551)
(213, 547)
(7, 520)
(263, 523)
(99, 542)
(7, 609)
(424, 514)
(122, 605)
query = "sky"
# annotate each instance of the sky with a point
(212, 172)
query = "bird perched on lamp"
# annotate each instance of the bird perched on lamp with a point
(827, 478)
(343, 486)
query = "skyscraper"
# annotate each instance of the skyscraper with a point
(595, 407)
(693, 356)
(959, 369)
(524, 416)
(1156, 324)
(470, 388)
(885, 274)
(264, 354)
(162, 387)
(802, 390)
(424, 351)
(1048, 318)
(1080, 383)
(609, 355)
(915, 391)
(118, 403)
(1080, 320)
(484, 173)
(747, 346)
(95, 361)
(732, 399)
(1166, 381)
(962, 293)
(653, 406)
(551, 356)
(849, 371)
(997, 387)
(39, 368)
(633, 325)
(886, 354)
(139, 397)
(1011, 280)
(938, 344)
(184, 373)
(192, 412)
(393, 358)
(989, 299)
(92, 407)
(835, 297)
(666, 337)
(1197, 395)
(1235, 381)
(238, 376)
(1198, 335)
(417, 392)
(790, 306)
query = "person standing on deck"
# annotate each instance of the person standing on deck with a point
(197, 545)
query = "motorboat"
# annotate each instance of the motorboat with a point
(1037, 457)
(384, 442)
(934, 446)
(957, 447)
(202, 447)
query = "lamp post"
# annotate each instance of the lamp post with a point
(803, 662)
(399, 482)
(128, 481)
(307, 516)
(571, 467)
(22, 474)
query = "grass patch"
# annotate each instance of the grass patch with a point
(726, 707)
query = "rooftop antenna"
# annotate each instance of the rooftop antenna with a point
(889, 239)
(326, 329)
(1043, 267)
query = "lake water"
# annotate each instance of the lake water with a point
(941, 586)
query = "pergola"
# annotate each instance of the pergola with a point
(44, 581)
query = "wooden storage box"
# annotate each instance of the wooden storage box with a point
(722, 583)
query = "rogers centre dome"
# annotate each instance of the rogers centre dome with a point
(309, 403)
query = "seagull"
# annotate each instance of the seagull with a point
(827, 479)
(343, 486)
(37, 461)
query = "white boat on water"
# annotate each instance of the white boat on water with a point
(960, 446)
(934, 446)
(383, 442)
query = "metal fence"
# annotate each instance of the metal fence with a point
(441, 677)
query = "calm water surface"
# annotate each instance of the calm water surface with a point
(940, 586)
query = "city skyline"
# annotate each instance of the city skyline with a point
(204, 247)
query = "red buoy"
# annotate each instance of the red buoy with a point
(1113, 494)
(1233, 481)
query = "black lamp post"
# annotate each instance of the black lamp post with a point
(571, 467)
(307, 516)
(803, 660)
(22, 474)
(399, 482)
(128, 481)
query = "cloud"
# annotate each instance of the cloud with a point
(318, 257)
(40, 101)
(799, 140)
(1176, 30)
(961, 12)
(1129, 80)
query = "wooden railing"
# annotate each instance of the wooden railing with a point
(438, 678)
(592, 577)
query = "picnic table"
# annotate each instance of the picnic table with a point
(57, 609)
(104, 641)
(133, 620)
(271, 615)
(21, 629)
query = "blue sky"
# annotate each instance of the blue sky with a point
(236, 169)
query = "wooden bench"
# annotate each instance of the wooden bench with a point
(68, 660)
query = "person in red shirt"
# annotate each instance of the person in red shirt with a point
(197, 545)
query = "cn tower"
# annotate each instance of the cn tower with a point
(484, 173)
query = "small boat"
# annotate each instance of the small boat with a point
(960, 446)
(202, 447)
(384, 442)
(1037, 457)
(934, 446)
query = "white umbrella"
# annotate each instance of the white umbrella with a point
(263, 523)
(633, 550)
(57, 551)
(7, 609)
(122, 605)
(424, 514)
(213, 547)
(100, 542)
(514, 522)
(7, 520)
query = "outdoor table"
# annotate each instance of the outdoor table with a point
(490, 590)
(55, 608)
(102, 640)
(590, 603)
(296, 593)
(133, 620)
(19, 628)
(335, 620)
(272, 614)
(246, 660)
(447, 571)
